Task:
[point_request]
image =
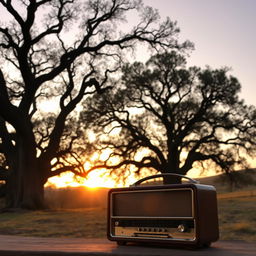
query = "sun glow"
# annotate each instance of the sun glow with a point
(95, 179)
(102, 178)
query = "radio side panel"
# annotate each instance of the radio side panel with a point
(207, 214)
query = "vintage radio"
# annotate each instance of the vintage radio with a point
(176, 214)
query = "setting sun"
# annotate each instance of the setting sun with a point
(96, 179)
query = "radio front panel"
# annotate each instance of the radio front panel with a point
(153, 214)
(178, 214)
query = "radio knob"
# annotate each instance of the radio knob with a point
(182, 228)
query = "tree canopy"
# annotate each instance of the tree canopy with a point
(168, 117)
(61, 51)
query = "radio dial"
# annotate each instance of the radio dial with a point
(181, 228)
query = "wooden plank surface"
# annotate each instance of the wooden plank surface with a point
(35, 246)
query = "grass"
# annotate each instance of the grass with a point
(89, 223)
(237, 221)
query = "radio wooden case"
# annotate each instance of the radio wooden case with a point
(178, 214)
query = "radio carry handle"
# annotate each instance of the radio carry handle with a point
(138, 182)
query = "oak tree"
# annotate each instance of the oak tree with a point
(54, 53)
(168, 118)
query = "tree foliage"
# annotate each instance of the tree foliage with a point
(61, 51)
(167, 117)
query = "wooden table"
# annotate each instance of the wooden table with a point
(19, 246)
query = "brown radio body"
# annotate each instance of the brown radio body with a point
(183, 215)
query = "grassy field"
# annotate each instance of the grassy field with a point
(87, 222)
(237, 218)
(237, 221)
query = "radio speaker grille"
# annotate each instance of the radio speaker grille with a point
(175, 203)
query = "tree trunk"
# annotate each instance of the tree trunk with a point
(171, 179)
(25, 189)
(172, 167)
(25, 185)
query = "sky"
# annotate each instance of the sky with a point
(223, 32)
